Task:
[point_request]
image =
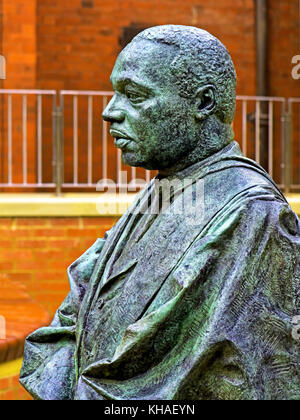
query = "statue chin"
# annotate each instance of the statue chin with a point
(131, 159)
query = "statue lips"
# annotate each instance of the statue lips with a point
(122, 140)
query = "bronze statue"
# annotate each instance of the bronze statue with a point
(179, 304)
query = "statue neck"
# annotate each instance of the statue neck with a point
(209, 143)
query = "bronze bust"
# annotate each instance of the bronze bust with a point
(165, 309)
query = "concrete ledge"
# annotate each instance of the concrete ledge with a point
(10, 368)
(78, 204)
(68, 205)
(294, 201)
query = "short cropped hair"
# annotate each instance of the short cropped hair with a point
(201, 59)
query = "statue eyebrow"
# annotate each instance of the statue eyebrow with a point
(123, 81)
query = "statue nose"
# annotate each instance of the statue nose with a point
(113, 113)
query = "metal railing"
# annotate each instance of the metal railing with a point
(292, 134)
(98, 143)
(259, 100)
(89, 127)
(70, 146)
(268, 119)
(12, 124)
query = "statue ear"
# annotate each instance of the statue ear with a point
(205, 102)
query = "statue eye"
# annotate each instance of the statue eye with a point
(134, 97)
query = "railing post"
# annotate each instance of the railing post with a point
(287, 138)
(58, 147)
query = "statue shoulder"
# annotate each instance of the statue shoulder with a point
(82, 269)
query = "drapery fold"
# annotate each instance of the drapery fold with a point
(165, 309)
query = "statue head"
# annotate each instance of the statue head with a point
(174, 98)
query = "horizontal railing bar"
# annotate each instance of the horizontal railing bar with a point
(110, 93)
(27, 185)
(85, 92)
(91, 186)
(294, 100)
(117, 185)
(84, 185)
(260, 98)
(28, 92)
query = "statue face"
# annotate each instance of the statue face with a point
(152, 125)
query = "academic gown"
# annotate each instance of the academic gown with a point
(163, 308)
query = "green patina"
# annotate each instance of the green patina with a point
(197, 304)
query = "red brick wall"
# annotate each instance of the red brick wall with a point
(1, 27)
(18, 34)
(78, 45)
(284, 43)
(19, 43)
(10, 389)
(37, 252)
